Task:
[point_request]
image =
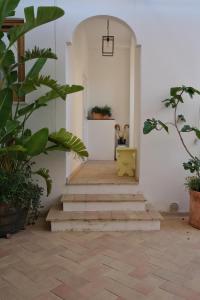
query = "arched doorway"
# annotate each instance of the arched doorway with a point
(113, 81)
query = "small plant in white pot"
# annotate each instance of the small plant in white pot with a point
(193, 164)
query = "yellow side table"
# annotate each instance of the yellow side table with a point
(126, 161)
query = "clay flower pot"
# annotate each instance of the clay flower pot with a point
(194, 216)
(97, 116)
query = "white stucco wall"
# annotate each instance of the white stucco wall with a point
(110, 82)
(168, 33)
(79, 70)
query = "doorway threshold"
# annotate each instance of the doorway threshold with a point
(95, 172)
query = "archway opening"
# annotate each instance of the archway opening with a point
(112, 81)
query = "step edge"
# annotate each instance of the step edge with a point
(139, 198)
(63, 215)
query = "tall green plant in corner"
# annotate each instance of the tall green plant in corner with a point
(18, 144)
(193, 164)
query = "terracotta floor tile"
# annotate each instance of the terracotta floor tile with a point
(38, 265)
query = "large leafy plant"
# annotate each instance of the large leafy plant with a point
(18, 144)
(174, 101)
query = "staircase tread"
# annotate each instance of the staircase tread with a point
(103, 198)
(56, 214)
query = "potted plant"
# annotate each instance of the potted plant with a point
(19, 146)
(19, 200)
(193, 164)
(101, 113)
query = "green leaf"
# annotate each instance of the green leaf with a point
(44, 173)
(25, 110)
(190, 91)
(32, 84)
(175, 90)
(36, 144)
(49, 96)
(10, 127)
(149, 125)
(164, 126)
(36, 68)
(197, 132)
(66, 90)
(12, 149)
(186, 128)
(6, 8)
(38, 53)
(181, 118)
(9, 58)
(6, 97)
(170, 102)
(179, 98)
(2, 46)
(13, 76)
(44, 15)
(193, 165)
(66, 141)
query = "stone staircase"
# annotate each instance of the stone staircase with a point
(103, 212)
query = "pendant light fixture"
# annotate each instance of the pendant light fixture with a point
(108, 42)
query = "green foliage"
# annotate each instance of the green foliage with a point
(38, 53)
(193, 183)
(44, 173)
(188, 128)
(66, 141)
(19, 190)
(44, 15)
(193, 165)
(104, 110)
(36, 143)
(176, 98)
(7, 8)
(151, 124)
(181, 118)
(18, 144)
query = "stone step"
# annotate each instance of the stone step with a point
(103, 202)
(102, 189)
(103, 220)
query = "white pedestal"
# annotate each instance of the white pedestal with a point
(101, 139)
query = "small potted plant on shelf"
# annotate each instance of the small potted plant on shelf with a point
(100, 113)
(193, 164)
(19, 146)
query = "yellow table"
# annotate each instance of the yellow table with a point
(126, 161)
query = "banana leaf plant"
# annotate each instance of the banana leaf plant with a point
(174, 101)
(18, 144)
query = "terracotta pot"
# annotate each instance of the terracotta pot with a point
(106, 117)
(194, 216)
(97, 116)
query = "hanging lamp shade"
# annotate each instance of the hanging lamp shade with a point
(108, 42)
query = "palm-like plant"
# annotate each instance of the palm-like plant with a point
(18, 144)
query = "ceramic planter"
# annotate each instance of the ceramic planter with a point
(194, 216)
(11, 219)
(99, 116)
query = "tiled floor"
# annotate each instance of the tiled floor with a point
(40, 265)
(100, 172)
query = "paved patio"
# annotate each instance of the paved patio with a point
(40, 265)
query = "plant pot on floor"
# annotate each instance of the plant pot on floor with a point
(12, 220)
(194, 216)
